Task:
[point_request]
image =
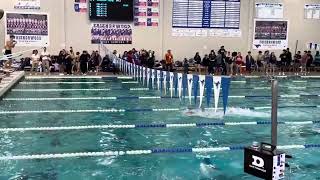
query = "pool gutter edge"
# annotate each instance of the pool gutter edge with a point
(7, 84)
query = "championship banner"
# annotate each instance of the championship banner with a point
(153, 3)
(140, 21)
(107, 33)
(27, 4)
(140, 2)
(29, 29)
(140, 11)
(270, 34)
(152, 11)
(312, 11)
(269, 10)
(146, 13)
(80, 6)
(152, 21)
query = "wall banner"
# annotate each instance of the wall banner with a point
(146, 13)
(108, 33)
(269, 10)
(27, 4)
(29, 29)
(270, 34)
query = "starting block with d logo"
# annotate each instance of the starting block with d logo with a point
(264, 162)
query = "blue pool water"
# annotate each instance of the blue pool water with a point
(305, 164)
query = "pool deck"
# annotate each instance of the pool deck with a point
(9, 81)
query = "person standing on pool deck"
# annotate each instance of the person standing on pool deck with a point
(169, 60)
(10, 44)
(84, 58)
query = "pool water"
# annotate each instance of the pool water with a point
(228, 164)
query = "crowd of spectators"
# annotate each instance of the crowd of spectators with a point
(68, 62)
(220, 62)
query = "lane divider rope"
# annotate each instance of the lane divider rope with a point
(147, 152)
(61, 90)
(142, 126)
(137, 110)
(143, 97)
(56, 82)
(78, 77)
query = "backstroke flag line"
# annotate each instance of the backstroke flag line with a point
(194, 85)
(209, 86)
(180, 85)
(216, 90)
(225, 92)
(190, 83)
(202, 80)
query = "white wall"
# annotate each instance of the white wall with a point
(73, 29)
(56, 26)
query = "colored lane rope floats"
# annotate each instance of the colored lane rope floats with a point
(147, 152)
(143, 126)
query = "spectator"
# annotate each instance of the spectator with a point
(219, 62)
(309, 61)
(304, 61)
(297, 62)
(97, 61)
(151, 59)
(61, 61)
(45, 56)
(84, 58)
(76, 67)
(185, 66)
(316, 61)
(69, 61)
(233, 65)
(197, 61)
(222, 50)
(266, 61)
(206, 62)
(35, 58)
(272, 63)
(169, 60)
(249, 60)
(239, 62)
(228, 63)
(289, 59)
(283, 62)
(260, 61)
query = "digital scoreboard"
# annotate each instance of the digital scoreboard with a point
(223, 14)
(111, 10)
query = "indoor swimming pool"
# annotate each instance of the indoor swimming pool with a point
(91, 128)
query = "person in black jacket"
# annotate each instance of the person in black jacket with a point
(289, 59)
(68, 63)
(151, 59)
(84, 58)
(197, 61)
(283, 57)
(249, 61)
(62, 61)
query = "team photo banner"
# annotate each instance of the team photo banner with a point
(29, 29)
(27, 4)
(107, 33)
(270, 34)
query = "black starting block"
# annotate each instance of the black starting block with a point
(264, 162)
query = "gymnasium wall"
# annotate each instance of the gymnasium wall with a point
(68, 28)
(56, 26)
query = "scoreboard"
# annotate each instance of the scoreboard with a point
(224, 14)
(111, 10)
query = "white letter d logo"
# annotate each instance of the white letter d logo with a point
(257, 161)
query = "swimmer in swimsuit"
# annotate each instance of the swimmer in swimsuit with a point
(10, 44)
